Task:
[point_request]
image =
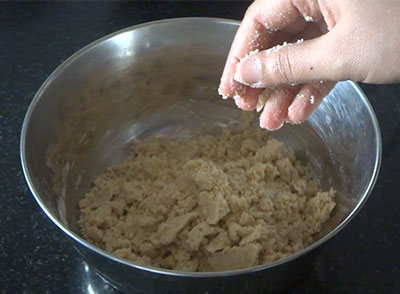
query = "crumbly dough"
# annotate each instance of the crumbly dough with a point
(209, 203)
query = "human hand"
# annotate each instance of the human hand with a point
(357, 40)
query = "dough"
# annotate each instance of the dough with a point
(209, 203)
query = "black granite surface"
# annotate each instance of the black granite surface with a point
(35, 257)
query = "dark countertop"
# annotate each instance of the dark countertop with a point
(35, 257)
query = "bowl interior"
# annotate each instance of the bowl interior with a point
(162, 79)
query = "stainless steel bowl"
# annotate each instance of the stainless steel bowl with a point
(161, 78)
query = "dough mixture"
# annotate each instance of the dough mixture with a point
(209, 203)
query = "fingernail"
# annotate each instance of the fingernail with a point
(237, 101)
(249, 72)
(264, 125)
(220, 92)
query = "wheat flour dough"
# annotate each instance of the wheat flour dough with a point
(210, 203)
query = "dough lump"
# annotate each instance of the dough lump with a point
(209, 203)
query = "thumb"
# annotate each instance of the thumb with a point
(301, 62)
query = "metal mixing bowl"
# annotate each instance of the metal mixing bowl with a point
(162, 78)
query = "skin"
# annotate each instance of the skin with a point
(355, 40)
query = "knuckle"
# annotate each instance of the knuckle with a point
(251, 11)
(283, 66)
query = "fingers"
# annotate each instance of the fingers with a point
(307, 100)
(248, 100)
(292, 104)
(275, 112)
(250, 67)
(262, 20)
(302, 62)
(276, 107)
(279, 15)
(250, 36)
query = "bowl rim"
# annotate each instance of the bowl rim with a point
(177, 273)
